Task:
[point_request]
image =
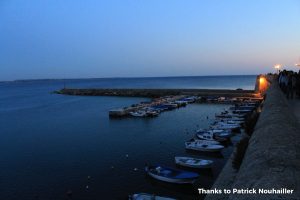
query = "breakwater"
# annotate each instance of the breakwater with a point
(164, 99)
(154, 93)
(272, 159)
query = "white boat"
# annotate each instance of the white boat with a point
(209, 135)
(225, 127)
(228, 115)
(181, 102)
(144, 196)
(203, 147)
(231, 121)
(193, 162)
(212, 131)
(241, 111)
(203, 141)
(138, 114)
(171, 175)
(229, 125)
(206, 136)
(151, 113)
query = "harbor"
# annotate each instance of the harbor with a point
(199, 140)
(168, 99)
(150, 100)
(227, 128)
(210, 142)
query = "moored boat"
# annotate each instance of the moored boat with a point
(145, 196)
(193, 162)
(138, 113)
(171, 175)
(209, 135)
(152, 113)
(227, 124)
(203, 141)
(205, 136)
(226, 127)
(203, 147)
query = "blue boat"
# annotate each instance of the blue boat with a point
(171, 175)
(145, 196)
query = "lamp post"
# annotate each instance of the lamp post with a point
(277, 67)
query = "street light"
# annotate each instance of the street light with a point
(277, 67)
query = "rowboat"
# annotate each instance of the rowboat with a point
(203, 147)
(203, 141)
(209, 135)
(193, 162)
(144, 196)
(228, 125)
(171, 175)
(152, 113)
(138, 114)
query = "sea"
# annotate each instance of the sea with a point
(56, 147)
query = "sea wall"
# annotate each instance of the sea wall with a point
(272, 159)
(157, 92)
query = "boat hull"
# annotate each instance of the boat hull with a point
(204, 148)
(144, 196)
(203, 164)
(189, 179)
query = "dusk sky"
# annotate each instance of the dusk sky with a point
(127, 38)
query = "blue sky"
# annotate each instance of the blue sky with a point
(126, 38)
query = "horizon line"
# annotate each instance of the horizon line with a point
(122, 77)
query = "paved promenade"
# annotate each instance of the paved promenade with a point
(295, 106)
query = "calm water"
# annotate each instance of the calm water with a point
(50, 143)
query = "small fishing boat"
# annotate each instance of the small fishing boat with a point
(171, 105)
(144, 196)
(205, 136)
(212, 130)
(228, 125)
(209, 135)
(242, 107)
(181, 102)
(189, 99)
(239, 111)
(152, 113)
(228, 115)
(202, 141)
(171, 175)
(138, 114)
(231, 121)
(193, 162)
(203, 147)
(223, 135)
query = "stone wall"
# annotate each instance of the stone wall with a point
(272, 159)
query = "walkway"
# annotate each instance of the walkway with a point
(295, 105)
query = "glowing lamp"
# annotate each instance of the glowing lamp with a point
(261, 80)
(277, 66)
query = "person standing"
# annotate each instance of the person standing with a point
(289, 86)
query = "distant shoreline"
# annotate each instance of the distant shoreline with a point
(146, 77)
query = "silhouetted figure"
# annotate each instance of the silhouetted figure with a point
(292, 85)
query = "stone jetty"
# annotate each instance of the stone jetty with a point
(154, 93)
